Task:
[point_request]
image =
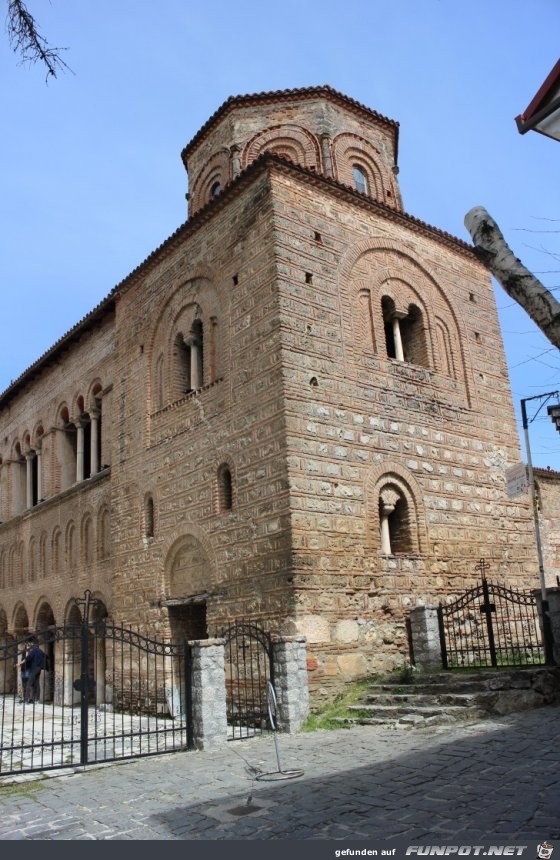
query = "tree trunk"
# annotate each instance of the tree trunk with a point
(517, 281)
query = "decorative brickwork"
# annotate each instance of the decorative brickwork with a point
(295, 411)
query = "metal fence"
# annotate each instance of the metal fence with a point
(249, 669)
(491, 625)
(106, 692)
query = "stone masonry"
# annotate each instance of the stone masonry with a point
(295, 411)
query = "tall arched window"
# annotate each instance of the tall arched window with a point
(360, 179)
(149, 518)
(189, 357)
(225, 489)
(394, 522)
(405, 333)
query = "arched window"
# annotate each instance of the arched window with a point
(216, 189)
(87, 540)
(55, 551)
(405, 335)
(159, 383)
(360, 179)
(394, 522)
(43, 556)
(189, 356)
(32, 560)
(225, 489)
(70, 549)
(104, 538)
(149, 518)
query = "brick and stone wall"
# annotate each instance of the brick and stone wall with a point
(261, 341)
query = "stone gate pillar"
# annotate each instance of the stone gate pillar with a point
(553, 597)
(289, 659)
(424, 632)
(208, 693)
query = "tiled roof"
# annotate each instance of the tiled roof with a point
(324, 91)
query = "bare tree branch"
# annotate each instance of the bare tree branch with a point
(26, 40)
(517, 281)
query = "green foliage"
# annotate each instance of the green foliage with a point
(330, 716)
(20, 789)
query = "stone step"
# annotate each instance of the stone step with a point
(421, 698)
(391, 712)
(448, 697)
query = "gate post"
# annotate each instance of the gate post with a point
(209, 714)
(553, 626)
(289, 670)
(425, 638)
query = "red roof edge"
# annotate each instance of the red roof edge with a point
(524, 119)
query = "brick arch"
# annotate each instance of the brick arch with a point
(43, 613)
(20, 619)
(200, 295)
(391, 258)
(184, 540)
(349, 149)
(288, 141)
(404, 296)
(37, 433)
(216, 169)
(72, 613)
(393, 473)
(219, 488)
(94, 390)
(87, 539)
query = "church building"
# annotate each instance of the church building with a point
(295, 411)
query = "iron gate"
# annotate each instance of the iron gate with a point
(248, 666)
(106, 693)
(491, 625)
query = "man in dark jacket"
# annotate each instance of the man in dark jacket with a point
(35, 663)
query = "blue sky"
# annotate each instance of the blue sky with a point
(93, 181)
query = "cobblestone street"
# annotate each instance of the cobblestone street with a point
(497, 778)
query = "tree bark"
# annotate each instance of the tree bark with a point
(509, 271)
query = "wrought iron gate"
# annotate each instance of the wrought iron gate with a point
(249, 668)
(107, 693)
(491, 625)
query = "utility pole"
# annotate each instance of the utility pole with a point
(547, 631)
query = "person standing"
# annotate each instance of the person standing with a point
(35, 663)
(24, 672)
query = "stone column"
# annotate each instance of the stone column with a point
(79, 451)
(39, 474)
(196, 375)
(235, 151)
(209, 693)
(399, 354)
(29, 479)
(94, 442)
(289, 659)
(426, 644)
(326, 153)
(388, 501)
(553, 597)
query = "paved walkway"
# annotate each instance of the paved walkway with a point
(498, 778)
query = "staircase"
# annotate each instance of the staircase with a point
(454, 696)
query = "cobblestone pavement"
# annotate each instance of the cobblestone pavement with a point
(495, 778)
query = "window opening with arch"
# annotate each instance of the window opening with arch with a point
(359, 177)
(225, 489)
(394, 522)
(405, 334)
(149, 518)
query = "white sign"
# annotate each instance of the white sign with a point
(516, 479)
